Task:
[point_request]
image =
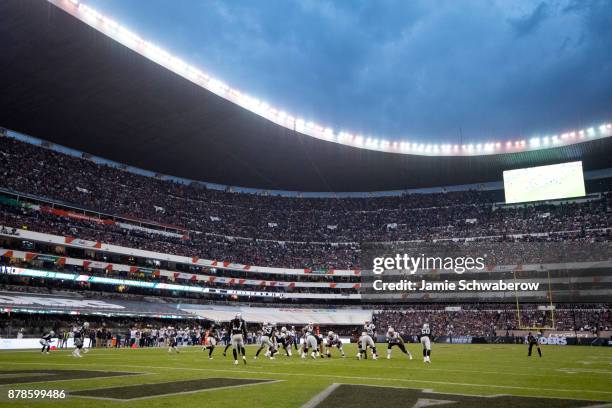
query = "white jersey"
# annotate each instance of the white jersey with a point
(393, 336)
(333, 340)
(370, 329)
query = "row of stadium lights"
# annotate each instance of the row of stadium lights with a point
(133, 41)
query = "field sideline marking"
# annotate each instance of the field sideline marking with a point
(511, 387)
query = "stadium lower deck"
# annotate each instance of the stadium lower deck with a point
(461, 375)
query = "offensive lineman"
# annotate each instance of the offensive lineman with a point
(268, 339)
(394, 339)
(426, 342)
(366, 341)
(331, 341)
(310, 341)
(238, 332)
(285, 340)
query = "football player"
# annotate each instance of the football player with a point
(293, 335)
(394, 339)
(333, 340)
(370, 329)
(238, 331)
(310, 342)
(285, 340)
(78, 334)
(268, 339)
(172, 341)
(366, 341)
(45, 342)
(426, 342)
(211, 339)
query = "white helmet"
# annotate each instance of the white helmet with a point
(311, 323)
(364, 333)
(86, 325)
(265, 323)
(52, 333)
(238, 315)
(391, 330)
(273, 324)
(426, 325)
(330, 334)
(283, 329)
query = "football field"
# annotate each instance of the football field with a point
(460, 375)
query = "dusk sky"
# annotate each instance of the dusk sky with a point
(418, 70)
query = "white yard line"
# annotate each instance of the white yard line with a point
(320, 397)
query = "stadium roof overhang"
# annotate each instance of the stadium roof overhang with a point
(66, 82)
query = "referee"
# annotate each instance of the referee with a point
(533, 341)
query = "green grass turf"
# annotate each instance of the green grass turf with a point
(578, 372)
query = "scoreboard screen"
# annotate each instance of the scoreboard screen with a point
(552, 182)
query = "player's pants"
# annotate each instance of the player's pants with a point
(265, 341)
(329, 346)
(237, 341)
(426, 342)
(310, 342)
(366, 341)
(399, 344)
(531, 348)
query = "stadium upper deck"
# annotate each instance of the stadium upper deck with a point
(129, 102)
(105, 226)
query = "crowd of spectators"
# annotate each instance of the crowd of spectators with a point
(496, 319)
(267, 230)
(272, 230)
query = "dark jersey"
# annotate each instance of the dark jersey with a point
(47, 336)
(531, 339)
(172, 338)
(214, 332)
(238, 326)
(268, 331)
(79, 333)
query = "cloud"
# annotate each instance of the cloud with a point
(427, 70)
(529, 23)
